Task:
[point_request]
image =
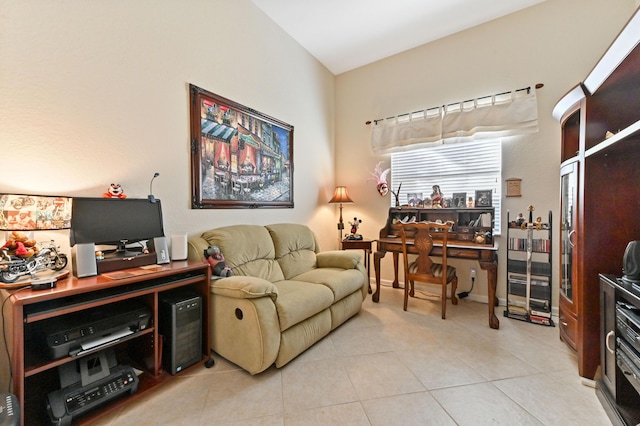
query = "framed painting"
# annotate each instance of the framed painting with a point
(240, 158)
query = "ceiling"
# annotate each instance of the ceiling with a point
(347, 34)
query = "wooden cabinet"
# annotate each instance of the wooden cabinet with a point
(601, 144)
(35, 371)
(568, 316)
(608, 334)
(618, 387)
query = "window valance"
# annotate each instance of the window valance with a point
(504, 114)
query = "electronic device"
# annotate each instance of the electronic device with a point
(161, 248)
(43, 283)
(84, 331)
(181, 325)
(628, 324)
(179, 247)
(629, 363)
(88, 384)
(150, 197)
(9, 410)
(631, 262)
(84, 260)
(119, 222)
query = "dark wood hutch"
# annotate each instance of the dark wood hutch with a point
(600, 195)
(600, 191)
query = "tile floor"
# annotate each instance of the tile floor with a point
(390, 367)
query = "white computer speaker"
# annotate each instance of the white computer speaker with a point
(84, 260)
(179, 247)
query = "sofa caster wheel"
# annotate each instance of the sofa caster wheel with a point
(209, 363)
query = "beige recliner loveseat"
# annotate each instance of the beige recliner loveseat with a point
(285, 294)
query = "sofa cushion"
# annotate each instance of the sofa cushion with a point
(295, 248)
(247, 249)
(342, 282)
(298, 301)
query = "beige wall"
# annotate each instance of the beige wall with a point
(95, 92)
(556, 43)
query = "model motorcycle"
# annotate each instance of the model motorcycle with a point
(12, 267)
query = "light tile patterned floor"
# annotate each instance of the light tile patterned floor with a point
(390, 367)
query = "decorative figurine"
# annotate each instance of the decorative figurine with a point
(436, 197)
(21, 256)
(380, 177)
(354, 230)
(114, 191)
(214, 257)
(538, 223)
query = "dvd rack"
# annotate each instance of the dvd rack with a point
(529, 268)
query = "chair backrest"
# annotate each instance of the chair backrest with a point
(420, 237)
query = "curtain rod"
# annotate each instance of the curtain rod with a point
(538, 86)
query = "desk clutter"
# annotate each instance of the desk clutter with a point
(469, 224)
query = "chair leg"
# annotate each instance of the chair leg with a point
(406, 292)
(444, 301)
(454, 289)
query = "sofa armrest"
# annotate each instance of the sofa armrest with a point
(196, 246)
(243, 287)
(338, 259)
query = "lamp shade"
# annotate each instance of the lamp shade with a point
(341, 195)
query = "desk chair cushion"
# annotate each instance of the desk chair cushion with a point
(436, 270)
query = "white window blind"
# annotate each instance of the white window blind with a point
(463, 167)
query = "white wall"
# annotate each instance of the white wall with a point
(555, 43)
(95, 92)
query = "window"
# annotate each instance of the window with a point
(457, 167)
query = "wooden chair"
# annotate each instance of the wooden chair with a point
(423, 269)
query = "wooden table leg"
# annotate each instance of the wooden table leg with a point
(396, 283)
(492, 283)
(367, 264)
(376, 266)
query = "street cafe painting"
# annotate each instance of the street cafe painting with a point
(240, 158)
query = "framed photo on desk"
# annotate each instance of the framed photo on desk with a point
(483, 198)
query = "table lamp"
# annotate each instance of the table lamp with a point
(340, 196)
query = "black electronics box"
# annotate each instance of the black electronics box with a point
(181, 326)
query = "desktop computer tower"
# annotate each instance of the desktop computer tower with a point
(180, 320)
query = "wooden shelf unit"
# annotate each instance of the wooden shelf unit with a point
(35, 375)
(529, 261)
(598, 218)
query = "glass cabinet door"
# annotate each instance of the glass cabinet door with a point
(568, 198)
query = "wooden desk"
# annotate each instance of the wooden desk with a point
(367, 247)
(486, 255)
(35, 374)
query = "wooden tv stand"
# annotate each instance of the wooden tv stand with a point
(35, 374)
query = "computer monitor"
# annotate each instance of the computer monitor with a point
(110, 221)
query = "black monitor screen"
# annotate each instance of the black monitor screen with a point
(111, 221)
